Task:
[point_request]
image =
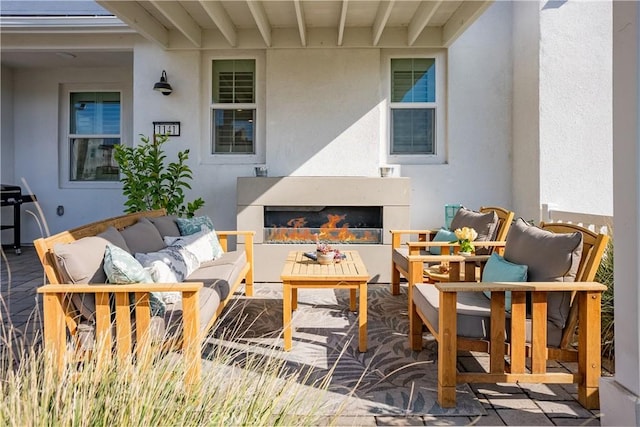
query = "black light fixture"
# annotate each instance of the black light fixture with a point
(163, 86)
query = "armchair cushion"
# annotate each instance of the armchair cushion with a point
(485, 224)
(443, 235)
(165, 224)
(550, 257)
(498, 269)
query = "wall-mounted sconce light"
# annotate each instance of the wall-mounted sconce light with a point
(163, 86)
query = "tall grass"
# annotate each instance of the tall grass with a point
(604, 275)
(255, 391)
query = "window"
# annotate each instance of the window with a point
(416, 124)
(413, 106)
(94, 128)
(233, 106)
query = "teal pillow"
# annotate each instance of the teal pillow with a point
(188, 226)
(443, 235)
(498, 269)
(121, 267)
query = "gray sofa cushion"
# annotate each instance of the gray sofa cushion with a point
(166, 225)
(550, 257)
(143, 237)
(114, 237)
(220, 273)
(209, 301)
(474, 315)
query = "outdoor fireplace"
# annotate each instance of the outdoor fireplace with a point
(331, 224)
(350, 212)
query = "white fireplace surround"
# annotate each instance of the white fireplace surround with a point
(254, 193)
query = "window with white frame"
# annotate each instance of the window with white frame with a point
(94, 128)
(414, 107)
(233, 106)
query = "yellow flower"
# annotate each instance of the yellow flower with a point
(466, 233)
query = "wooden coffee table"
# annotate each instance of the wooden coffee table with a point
(302, 272)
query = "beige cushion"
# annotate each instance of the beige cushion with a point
(166, 225)
(143, 237)
(550, 257)
(221, 273)
(82, 262)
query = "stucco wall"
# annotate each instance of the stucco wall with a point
(576, 106)
(6, 136)
(36, 118)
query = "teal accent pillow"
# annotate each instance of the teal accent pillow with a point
(188, 226)
(498, 269)
(121, 267)
(443, 235)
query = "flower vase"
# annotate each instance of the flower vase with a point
(325, 258)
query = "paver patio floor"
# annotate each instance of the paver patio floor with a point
(506, 404)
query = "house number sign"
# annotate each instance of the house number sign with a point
(166, 128)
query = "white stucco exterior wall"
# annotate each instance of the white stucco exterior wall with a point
(36, 132)
(576, 106)
(620, 395)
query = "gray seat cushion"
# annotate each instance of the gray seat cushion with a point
(220, 273)
(474, 315)
(209, 302)
(550, 257)
(400, 257)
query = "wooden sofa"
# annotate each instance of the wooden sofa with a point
(205, 294)
(519, 342)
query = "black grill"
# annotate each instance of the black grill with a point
(11, 195)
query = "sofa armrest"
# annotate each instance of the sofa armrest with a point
(54, 297)
(521, 286)
(223, 237)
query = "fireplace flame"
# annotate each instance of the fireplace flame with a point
(330, 231)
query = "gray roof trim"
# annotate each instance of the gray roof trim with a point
(14, 24)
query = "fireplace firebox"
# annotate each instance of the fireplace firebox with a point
(332, 224)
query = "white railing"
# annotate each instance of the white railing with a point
(598, 223)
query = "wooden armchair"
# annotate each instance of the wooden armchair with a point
(461, 317)
(436, 273)
(422, 240)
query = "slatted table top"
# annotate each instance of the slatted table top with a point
(298, 268)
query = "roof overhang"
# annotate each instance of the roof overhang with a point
(215, 24)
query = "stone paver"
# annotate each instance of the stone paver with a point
(506, 404)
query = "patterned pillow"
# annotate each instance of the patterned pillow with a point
(188, 226)
(121, 267)
(180, 261)
(200, 244)
(499, 269)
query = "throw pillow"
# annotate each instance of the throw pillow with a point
(166, 225)
(550, 257)
(485, 224)
(443, 235)
(121, 267)
(499, 269)
(200, 244)
(161, 273)
(142, 237)
(180, 261)
(193, 225)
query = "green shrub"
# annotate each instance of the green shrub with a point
(150, 184)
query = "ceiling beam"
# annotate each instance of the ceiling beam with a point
(259, 15)
(421, 19)
(462, 19)
(135, 16)
(220, 17)
(302, 28)
(343, 21)
(180, 19)
(384, 10)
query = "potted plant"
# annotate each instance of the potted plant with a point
(149, 183)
